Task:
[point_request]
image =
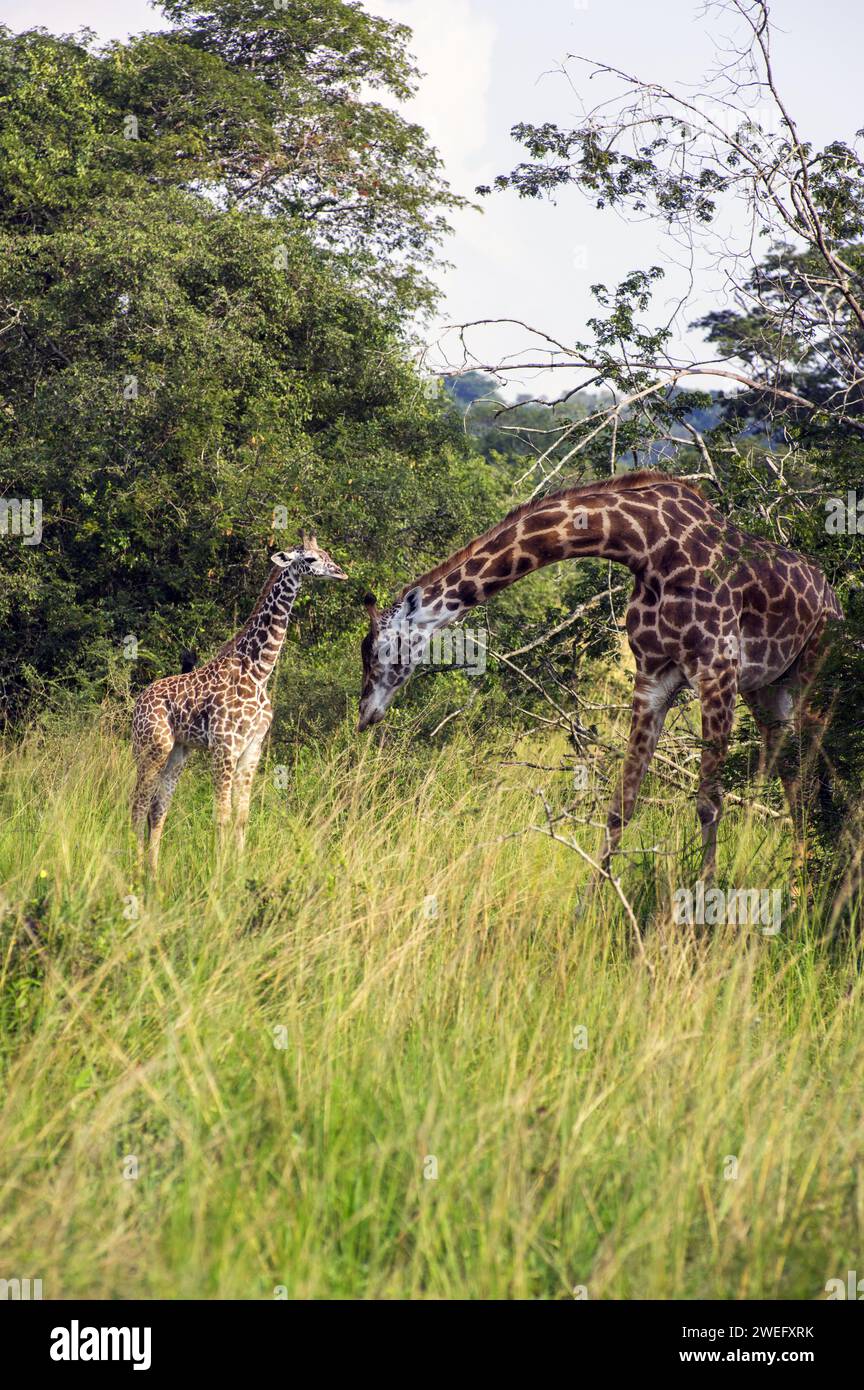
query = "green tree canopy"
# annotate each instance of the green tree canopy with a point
(263, 108)
(210, 241)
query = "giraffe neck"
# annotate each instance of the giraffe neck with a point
(260, 639)
(579, 523)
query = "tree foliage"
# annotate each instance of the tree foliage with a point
(262, 108)
(194, 349)
(785, 448)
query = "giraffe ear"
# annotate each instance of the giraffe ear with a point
(371, 606)
(409, 605)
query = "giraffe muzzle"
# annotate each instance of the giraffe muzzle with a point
(372, 716)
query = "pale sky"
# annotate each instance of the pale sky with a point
(489, 64)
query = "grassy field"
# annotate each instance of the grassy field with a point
(404, 1049)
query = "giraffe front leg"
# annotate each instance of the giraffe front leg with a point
(717, 691)
(224, 763)
(652, 698)
(247, 765)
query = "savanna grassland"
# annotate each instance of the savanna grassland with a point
(405, 1049)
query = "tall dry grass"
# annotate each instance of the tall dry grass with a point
(404, 1050)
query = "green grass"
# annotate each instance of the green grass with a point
(406, 1036)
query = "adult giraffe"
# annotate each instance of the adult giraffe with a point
(712, 608)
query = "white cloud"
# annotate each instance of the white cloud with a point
(454, 46)
(106, 17)
(491, 63)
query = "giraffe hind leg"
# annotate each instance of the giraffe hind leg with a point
(161, 800)
(150, 759)
(772, 711)
(816, 770)
(792, 735)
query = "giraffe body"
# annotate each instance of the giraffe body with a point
(222, 707)
(712, 608)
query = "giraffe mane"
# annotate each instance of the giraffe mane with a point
(228, 647)
(620, 482)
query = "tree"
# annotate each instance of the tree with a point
(789, 440)
(192, 366)
(259, 107)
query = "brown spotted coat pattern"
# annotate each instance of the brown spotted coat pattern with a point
(222, 707)
(712, 608)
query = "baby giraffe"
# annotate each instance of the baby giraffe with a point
(222, 706)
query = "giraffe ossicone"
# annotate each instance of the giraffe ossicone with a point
(712, 607)
(221, 706)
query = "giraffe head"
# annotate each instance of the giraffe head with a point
(393, 646)
(309, 558)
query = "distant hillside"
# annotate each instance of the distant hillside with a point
(515, 430)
